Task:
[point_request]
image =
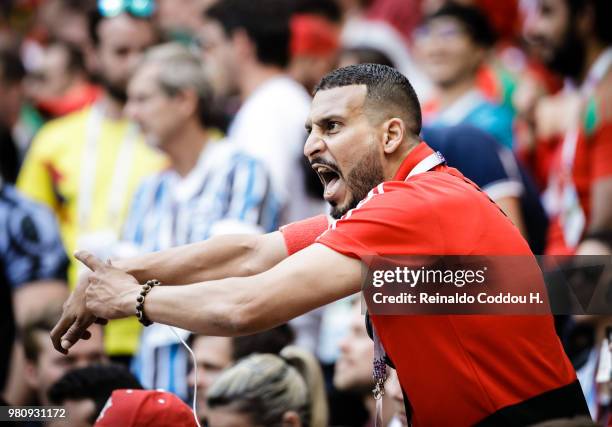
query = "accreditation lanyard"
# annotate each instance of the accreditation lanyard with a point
(119, 187)
(571, 214)
(380, 366)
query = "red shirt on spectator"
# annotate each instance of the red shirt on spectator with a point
(455, 370)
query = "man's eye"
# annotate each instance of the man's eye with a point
(333, 126)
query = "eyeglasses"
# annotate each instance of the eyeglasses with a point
(138, 8)
(446, 31)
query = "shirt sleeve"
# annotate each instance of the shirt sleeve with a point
(491, 166)
(35, 251)
(301, 234)
(252, 205)
(388, 224)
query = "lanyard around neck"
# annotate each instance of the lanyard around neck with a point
(427, 164)
(118, 187)
(598, 71)
(595, 75)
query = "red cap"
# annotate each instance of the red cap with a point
(312, 35)
(145, 408)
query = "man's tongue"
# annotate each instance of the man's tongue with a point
(331, 188)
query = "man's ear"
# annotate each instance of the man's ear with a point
(394, 133)
(243, 46)
(188, 104)
(291, 419)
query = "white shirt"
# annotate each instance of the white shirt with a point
(270, 126)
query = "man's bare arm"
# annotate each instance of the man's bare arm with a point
(216, 258)
(310, 278)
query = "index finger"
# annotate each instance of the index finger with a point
(59, 330)
(90, 260)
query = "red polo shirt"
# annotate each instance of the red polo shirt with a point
(455, 370)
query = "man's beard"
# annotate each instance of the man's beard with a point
(568, 59)
(366, 175)
(116, 92)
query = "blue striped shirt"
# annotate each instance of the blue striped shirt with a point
(227, 192)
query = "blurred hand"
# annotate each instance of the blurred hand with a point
(75, 320)
(526, 96)
(111, 293)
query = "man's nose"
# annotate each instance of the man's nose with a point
(344, 344)
(200, 380)
(314, 145)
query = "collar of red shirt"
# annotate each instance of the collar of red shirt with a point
(416, 155)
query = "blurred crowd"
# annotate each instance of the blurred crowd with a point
(132, 126)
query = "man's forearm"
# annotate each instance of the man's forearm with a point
(246, 305)
(216, 258)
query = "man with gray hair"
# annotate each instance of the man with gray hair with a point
(210, 188)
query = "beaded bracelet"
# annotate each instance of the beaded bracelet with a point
(146, 288)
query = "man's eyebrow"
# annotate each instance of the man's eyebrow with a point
(327, 118)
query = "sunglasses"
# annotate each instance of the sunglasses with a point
(138, 8)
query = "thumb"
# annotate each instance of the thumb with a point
(90, 260)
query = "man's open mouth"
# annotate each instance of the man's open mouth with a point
(330, 178)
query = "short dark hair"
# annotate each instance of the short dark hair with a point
(325, 8)
(473, 20)
(94, 18)
(369, 55)
(270, 341)
(602, 10)
(11, 67)
(387, 88)
(76, 60)
(96, 382)
(266, 22)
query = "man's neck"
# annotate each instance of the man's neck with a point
(395, 163)
(185, 147)
(113, 108)
(254, 76)
(449, 94)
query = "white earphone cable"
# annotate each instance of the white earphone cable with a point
(195, 373)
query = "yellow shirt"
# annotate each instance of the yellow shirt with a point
(52, 174)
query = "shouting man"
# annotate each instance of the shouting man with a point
(391, 195)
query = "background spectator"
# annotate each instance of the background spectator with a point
(354, 367)
(84, 391)
(11, 77)
(32, 277)
(44, 365)
(87, 165)
(58, 82)
(265, 389)
(215, 354)
(253, 53)
(575, 40)
(454, 43)
(211, 187)
(132, 408)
